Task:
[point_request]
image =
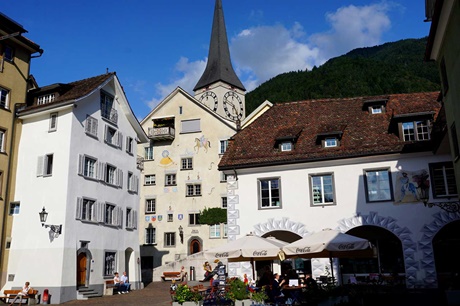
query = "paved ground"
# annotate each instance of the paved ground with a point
(156, 293)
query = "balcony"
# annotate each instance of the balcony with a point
(162, 133)
(109, 113)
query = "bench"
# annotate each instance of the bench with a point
(170, 275)
(110, 287)
(29, 299)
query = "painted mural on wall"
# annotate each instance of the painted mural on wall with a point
(202, 142)
(407, 183)
(166, 161)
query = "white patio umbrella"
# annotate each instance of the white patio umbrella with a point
(329, 244)
(248, 248)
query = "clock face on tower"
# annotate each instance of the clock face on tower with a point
(233, 105)
(210, 100)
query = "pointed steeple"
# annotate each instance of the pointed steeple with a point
(219, 66)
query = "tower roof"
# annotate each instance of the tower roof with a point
(219, 66)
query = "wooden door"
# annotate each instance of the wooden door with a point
(195, 246)
(81, 270)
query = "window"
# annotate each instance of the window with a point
(453, 134)
(129, 145)
(170, 218)
(45, 99)
(194, 219)
(110, 174)
(150, 206)
(107, 110)
(14, 208)
(148, 153)
(286, 146)
(2, 141)
(112, 215)
(8, 53)
(170, 179)
(415, 130)
(150, 179)
(170, 239)
(330, 142)
(376, 109)
(113, 137)
(45, 165)
(193, 190)
(214, 231)
(191, 126)
(322, 189)
(133, 182)
(225, 226)
(223, 146)
(223, 177)
(91, 126)
(269, 193)
(150, 235)
(87, 209)
(443, 177)
(4, 96)
(378, 185)
(87, 166)
(223, 201)
(53, 122)
(109, 263)
(131, 218)
(187, 163)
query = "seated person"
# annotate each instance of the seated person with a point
(122, 288)
(24, 292)
(183, 274)
(124, 279)
(278, 296)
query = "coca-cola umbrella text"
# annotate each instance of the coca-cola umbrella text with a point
(248, 248)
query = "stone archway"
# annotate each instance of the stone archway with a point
(284, 224)
(426, 245)
(83, 266)
(403, 233)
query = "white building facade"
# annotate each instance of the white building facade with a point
(342, 164)
(78, 161)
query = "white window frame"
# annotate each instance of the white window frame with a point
(223, 145)
(151, 206)
(113, 137)
(193, 190)
(376, 109)
(129, 145)
(170, 179)
(110, 263)
(418, 131)
(186, 163)
(111, 174)
(2, 140)
(4, 98)
(269, 193)
(131, 218)
(286, 146)
(149, 153)
(214, 231)
(321, 181)
(377, 186)
(91, 125)
(169, 239)
(223, 177)
(331, 142)
(113, 215)
(89, 167)
(133, 182)
(53, 122)
(45, 165)
(444, 186)
(150, 180)
(150, 235)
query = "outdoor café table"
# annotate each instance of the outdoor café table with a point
(293, 292)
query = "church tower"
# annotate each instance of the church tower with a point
(219, 88)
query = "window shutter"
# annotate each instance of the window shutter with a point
(136, 179)
(134, 213)
(127, 144)
(103, 209)
(79, 212)
(120, 178)
(106, 133)
(40, 163)
(100, 212)
(189, 126)
(81, 164)
(119, 219)
(120, 140)
(100, 175)
(94, 126)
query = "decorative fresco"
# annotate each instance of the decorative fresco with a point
(166, 161)
(407, 183)
(202, 142)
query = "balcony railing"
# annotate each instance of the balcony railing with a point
(109, 114)
(162, 133)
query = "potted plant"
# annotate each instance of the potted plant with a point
(186, 296)
(259, 297)
(238, 292)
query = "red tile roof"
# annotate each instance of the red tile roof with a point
(364, 134)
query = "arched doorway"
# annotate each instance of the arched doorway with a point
(194, 246)
(81, 269)
(388, 254)
(446, 249)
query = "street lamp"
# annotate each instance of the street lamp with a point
(56, 229)
(181, 234)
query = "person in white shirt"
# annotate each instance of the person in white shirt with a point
(119, 284)
(23, 293)
(124, 279)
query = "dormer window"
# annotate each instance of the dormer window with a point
(45, 99)
(415, 130)
(286, 146)
(330, 142)
(375, 106)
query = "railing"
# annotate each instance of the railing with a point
(109, 114)
(166, 132)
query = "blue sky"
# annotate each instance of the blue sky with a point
(157, 45)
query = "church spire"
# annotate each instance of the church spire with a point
(219, 66)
